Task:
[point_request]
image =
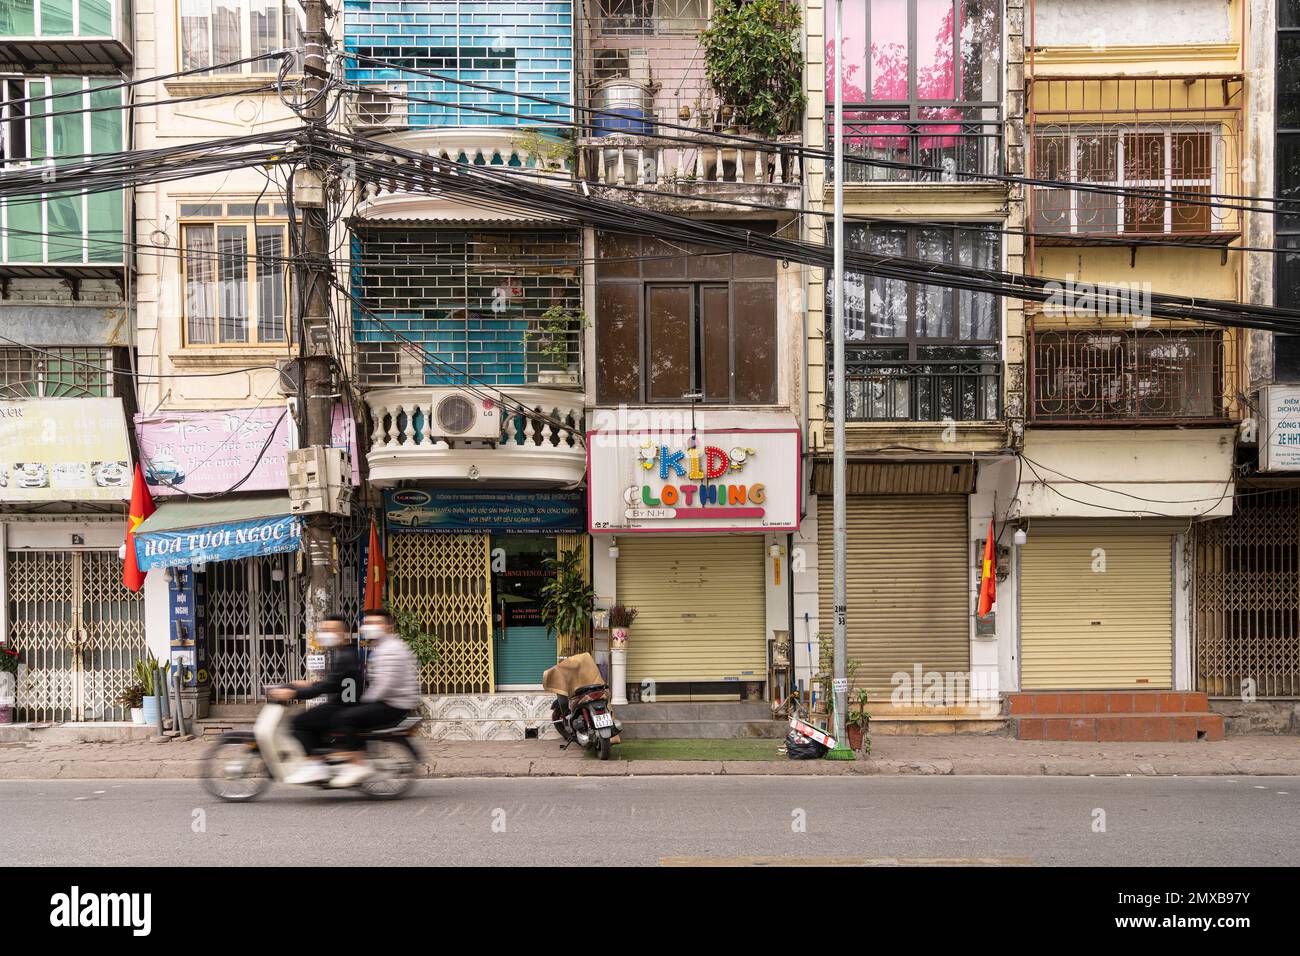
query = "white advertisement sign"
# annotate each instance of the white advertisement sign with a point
(64, 449)
(1279, 443)
(705, 480)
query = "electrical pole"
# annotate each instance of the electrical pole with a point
(316, 392)
(842, 750)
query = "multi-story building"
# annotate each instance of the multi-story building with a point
(65, 365)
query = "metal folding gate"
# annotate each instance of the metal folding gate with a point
(78, 630)
(254, 627)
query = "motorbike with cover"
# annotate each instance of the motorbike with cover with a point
(580, 711)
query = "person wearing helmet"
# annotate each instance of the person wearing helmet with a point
(340, 688)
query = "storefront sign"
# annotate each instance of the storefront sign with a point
(224, 542)
(188, 648)
(451, 511)
(64, 449)
(209, 452)
(1279, 441)
(707, 480)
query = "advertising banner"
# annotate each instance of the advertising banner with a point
(702, 480)
(452, 511)
(64, 449)
(217, 542)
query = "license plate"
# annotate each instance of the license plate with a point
(602, 720)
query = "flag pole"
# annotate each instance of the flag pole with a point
(840, 687)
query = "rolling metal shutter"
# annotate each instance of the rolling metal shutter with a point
(908, 585)
(1084, 628)
(701, 607)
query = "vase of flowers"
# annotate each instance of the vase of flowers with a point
(8, 684)
(620, 619)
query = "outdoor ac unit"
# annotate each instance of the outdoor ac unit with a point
(380, 107)
(459, 413)
(320, 479)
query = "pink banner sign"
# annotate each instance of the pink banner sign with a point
(235, 450)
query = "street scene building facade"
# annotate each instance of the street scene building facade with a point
(528, 390)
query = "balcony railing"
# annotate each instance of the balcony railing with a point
(1168, 375)
(1149, 153)
(888, 146)
(540, 441)
(709, 161)
(922, 391)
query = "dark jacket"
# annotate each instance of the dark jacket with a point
(342, 664)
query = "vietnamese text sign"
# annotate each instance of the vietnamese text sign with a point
(218, 542)
(510, 512)
(64, 449)
(705, 480)
(209, 452)
(1280, 448)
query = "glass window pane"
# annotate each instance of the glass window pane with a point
(715, 341)
(855, 51)
(232, 283)
(978, 310)
(200, 289)
(1288, 13)
(618, 342)
(270, 271)
(981, 50)
(1288, 79)
(17, 18)
(227, 34)
(1287, 158)
(668, 359)
(889, 60)
(935, 49)
(196, 38)
(934, 302)
(56, 18)
(1288, 274)
(264, 29)
(756, 348)
(96, 18)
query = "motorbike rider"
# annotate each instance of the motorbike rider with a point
(392, 690)
(341, 688)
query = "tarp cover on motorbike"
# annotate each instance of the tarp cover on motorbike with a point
(574, 672)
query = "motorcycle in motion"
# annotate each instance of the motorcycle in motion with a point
(580, 711)
(240, 765)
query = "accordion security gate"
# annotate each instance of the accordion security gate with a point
(254, 627)
(78, 630)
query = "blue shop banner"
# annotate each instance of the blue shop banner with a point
(218, 542)
(452, 511)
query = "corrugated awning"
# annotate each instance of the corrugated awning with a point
(193, 513)
(193, 533)
(899, 478)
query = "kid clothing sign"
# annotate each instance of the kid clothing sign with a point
(705, 480)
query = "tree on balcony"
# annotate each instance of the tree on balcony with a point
(754, 62)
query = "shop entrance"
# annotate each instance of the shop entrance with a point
(522, 646)
(253, 623)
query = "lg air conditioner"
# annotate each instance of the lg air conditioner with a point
(380, 107)
(458, 413)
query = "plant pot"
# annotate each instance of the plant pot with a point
(855, 736)
(618, 672)
(6, 713)
(151, 710)
(137, 715)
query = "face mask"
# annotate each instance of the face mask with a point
(372, 632)
(329, 638)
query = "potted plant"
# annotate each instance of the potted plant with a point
(620, 619)
(754, 62)
(132, 698)
(149, 674)
(9, 662)
(857, 725)
(567, 600)
(555, 340)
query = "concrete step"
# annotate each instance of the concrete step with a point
(1121, 727)
(1053, 703)
(234, 710)
(76, 733)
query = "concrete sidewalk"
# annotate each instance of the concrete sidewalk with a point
(60, 756)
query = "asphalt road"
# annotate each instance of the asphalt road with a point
(1164, 821)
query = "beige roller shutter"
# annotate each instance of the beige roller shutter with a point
(702, 613)
(908, 585)
(1082, 627)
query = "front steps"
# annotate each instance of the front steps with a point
(1113, 716)
(700, 721)
(888, 720)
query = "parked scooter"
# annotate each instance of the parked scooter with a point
(580, 711)
(240, 765)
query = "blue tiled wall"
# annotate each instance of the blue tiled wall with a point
(519, 46)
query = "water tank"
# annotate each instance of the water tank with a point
(627, 108)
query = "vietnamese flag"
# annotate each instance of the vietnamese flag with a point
(141, 508)
(988, 572)
(376, 572)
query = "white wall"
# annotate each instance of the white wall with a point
(1114, 23)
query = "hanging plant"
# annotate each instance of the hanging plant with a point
(753, 61)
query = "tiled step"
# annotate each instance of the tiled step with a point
(1115, 728)
(1062, 703)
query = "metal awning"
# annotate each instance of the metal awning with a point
(185, 533)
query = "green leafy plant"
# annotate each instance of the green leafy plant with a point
(149, 674)
(556, 331)
(411, 629)
(549, 152)
(567, 598)
(754, 62)
(9, 660)
(132, 695)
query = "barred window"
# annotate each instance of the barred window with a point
(55, 373)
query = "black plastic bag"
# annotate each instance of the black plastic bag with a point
(799, 747)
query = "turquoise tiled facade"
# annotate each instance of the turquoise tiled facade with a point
(516, 46)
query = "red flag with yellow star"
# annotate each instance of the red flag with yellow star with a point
(376, 572)
(141, 508)
(988, 575)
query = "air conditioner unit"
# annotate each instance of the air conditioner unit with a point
(380, 106)
(459, 413)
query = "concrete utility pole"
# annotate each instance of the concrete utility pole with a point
(316, 391)
(842, 750)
